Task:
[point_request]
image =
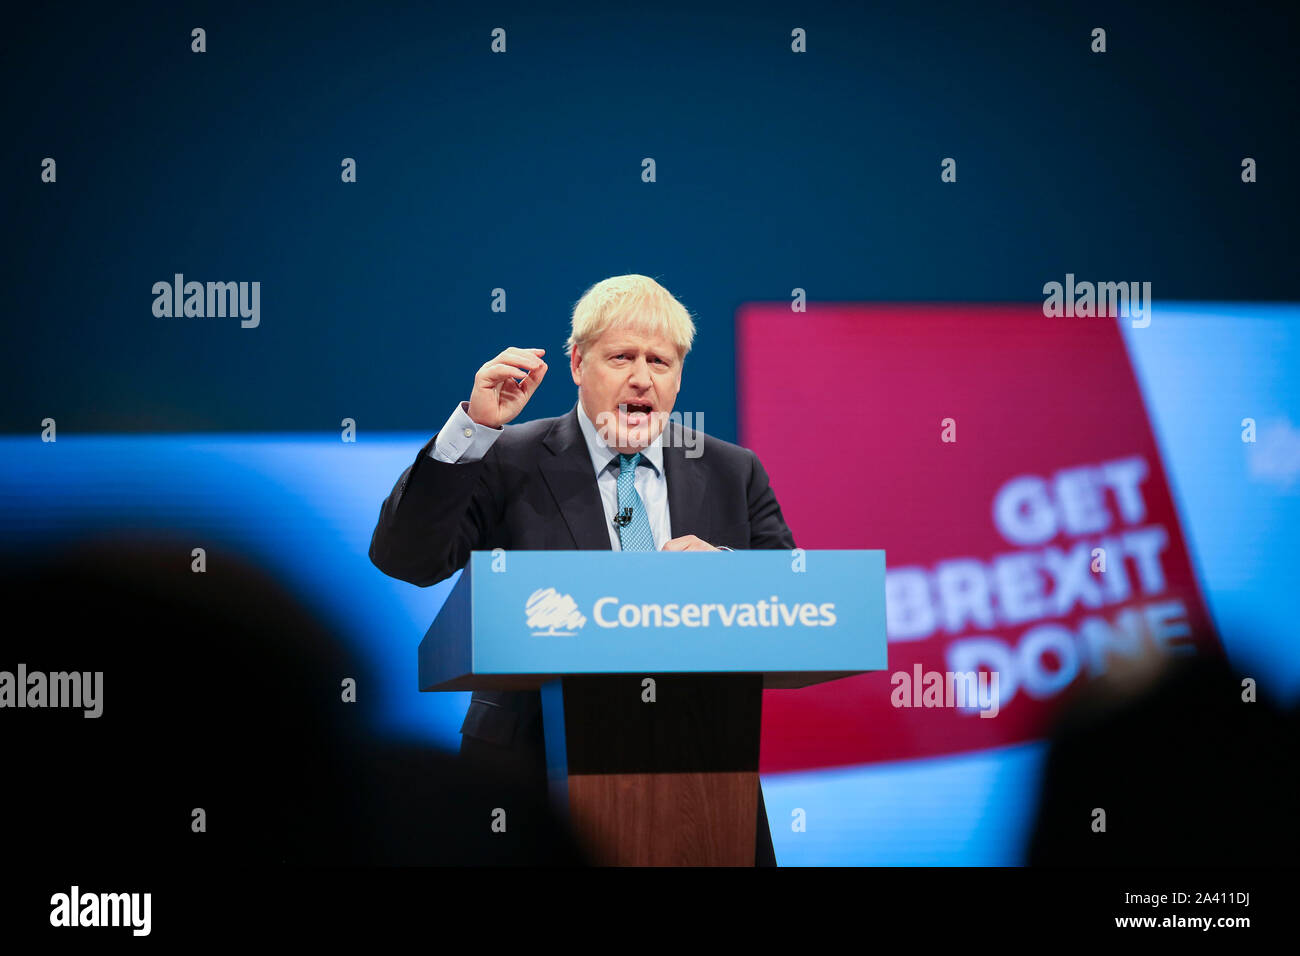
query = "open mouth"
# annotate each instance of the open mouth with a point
(636, 414)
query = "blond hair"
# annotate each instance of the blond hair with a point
(631, 301)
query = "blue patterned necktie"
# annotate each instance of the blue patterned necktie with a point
(635, 535)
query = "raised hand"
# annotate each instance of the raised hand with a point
(503, 386)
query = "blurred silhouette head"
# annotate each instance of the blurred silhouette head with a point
(1180, 768)
(222, 693)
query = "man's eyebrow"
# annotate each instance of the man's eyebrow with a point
(665, 354)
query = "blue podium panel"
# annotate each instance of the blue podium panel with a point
(516, 619)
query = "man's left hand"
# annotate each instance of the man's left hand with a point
(688, 542)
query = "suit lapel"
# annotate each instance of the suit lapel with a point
(572, 483)
(687, 513)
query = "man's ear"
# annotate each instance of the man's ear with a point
(575, 365)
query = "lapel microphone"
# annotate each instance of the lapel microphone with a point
(623, 518)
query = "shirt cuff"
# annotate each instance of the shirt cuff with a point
(463, 440)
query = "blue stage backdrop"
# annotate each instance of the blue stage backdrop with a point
(522, 171)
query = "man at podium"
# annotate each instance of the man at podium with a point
(618, 472)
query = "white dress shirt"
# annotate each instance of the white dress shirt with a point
(463, 440)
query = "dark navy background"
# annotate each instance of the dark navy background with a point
(775, 170)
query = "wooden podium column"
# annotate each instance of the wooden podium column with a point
(668, 783)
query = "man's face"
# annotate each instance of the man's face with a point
(627, 383)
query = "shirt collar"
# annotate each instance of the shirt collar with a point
(602, 454)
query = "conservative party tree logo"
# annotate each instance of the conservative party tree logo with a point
(1004, 461)
(552, 614)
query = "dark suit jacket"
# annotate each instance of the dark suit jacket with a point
(535, 490)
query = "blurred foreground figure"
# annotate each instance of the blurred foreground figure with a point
(221, 692)
(1188, 774)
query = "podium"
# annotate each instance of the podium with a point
(651, 667)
